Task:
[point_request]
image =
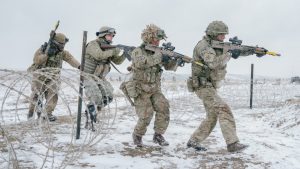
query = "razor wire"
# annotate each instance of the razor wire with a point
(271, 93)
(39, 143)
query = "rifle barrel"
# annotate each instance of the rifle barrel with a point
(273, 53)
(56, 25)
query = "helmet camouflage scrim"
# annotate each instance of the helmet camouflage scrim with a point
(60, 38)
(105, 30)
(59, 41)
(153, 32)
(215, 28)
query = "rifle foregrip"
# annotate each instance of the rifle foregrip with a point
(187, 59)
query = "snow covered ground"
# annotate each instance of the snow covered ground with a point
(271, 129)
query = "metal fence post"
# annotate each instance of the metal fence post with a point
(81, 85)
(251, 86)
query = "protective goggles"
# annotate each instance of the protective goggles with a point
(59, 44)
(161, 34)
(109, 31)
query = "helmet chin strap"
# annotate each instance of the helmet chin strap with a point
(108, 41)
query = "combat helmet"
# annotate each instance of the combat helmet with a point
(152, 32)
(105, 30)
(215, 28)
(60, 38)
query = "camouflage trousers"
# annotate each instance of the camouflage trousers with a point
(145, 105)
(216, 109)
(40, 89)
(98, 91)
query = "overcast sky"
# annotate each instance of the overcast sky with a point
(273, 24)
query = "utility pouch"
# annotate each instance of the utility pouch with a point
(130, 88)
(196, 82)
(202, 81)
(99, 70)
(125, 86)
(190, 84)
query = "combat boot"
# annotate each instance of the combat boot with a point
(50, 117)
(234, 147)
(158, 138)
(30, 116)
(194, 144)
(137, 140)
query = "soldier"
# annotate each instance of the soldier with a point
(206, 80)
(46, 73)
(147, 71)
(97, 65)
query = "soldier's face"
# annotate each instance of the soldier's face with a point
(155, 42)
(220, 37)
(109, 37)
(60, 46)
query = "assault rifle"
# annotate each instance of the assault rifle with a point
(46, 47)
(127, 49)
(168, 50)
(236, 44)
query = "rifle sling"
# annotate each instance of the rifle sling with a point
(114, 66)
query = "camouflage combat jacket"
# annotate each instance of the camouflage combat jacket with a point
(97, 61)
(42, 61)
(147, 69)
(215, 61)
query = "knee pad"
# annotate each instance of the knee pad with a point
(106, 100)
(92, 111)
(91, 108)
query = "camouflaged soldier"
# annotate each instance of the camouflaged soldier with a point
(97, 64)
(46, 74)
(206, 80)
(147, 71)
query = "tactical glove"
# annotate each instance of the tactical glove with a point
(116, 51)
(165, 58)
(235, 53)
(260, 55)
(121, 52)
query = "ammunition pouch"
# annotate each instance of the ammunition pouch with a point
(203, 81)
(102, 69)
(194, 83)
